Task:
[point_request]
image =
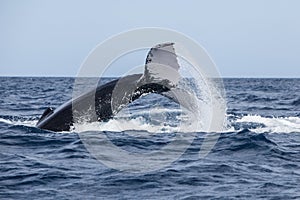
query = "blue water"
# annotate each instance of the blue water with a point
(258, 157)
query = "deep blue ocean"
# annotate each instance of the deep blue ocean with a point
(257, 157)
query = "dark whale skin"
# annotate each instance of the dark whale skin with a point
(127, 88)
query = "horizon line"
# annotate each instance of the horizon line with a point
(61, 76)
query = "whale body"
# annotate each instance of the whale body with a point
(108, 99)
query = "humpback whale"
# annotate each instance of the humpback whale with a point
(160, 75)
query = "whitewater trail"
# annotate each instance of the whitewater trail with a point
(272, 125)
(265, 125)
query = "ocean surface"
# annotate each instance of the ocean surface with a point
(256, 157)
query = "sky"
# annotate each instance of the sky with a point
(250, 38)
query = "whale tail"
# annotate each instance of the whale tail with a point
(162, 66)
(160, 76)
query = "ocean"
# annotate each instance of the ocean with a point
(256, 157)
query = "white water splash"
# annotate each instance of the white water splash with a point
(270, 125)
(273, 125)
(125, 121)
(120, 125)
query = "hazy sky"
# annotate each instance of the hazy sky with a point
(251, 38)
